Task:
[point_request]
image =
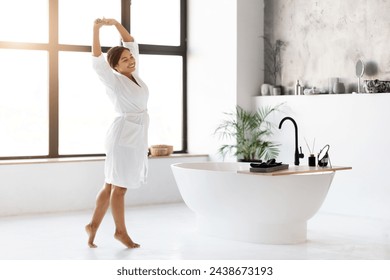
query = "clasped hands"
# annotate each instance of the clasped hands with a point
(105, 21)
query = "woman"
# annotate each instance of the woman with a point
(126, 140)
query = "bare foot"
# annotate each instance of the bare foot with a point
(91, 234)
(126, 240)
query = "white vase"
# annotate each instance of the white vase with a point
(265, 89)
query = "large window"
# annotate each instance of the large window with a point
(52, 103)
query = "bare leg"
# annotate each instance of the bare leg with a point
(118, 212)
(102, 204)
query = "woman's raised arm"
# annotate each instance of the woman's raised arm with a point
(125, 35)
(96, 48)
(98, 23)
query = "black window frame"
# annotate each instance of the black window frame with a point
(54, 48)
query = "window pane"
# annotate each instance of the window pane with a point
(24, 21)
(163, 75)
(85, 111)
(23, 103)
(156, 22)
(76, 20)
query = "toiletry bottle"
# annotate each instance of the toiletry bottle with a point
(312, 160)
(297, 88)
(300, 90)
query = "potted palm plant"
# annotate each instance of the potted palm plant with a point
(251, 130)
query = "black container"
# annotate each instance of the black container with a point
(312, 160)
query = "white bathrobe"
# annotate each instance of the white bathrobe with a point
(127, 138)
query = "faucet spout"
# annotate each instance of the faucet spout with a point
(297, 154)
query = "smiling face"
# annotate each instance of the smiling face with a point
(126, 63)
(121, 60)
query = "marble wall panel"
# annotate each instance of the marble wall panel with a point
(326, 38)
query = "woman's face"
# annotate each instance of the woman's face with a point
(126, 63)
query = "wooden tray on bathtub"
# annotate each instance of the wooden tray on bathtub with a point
(297, 170)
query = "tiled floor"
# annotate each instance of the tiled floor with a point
(168, 232)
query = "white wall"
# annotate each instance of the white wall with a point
(224, 65)
(211, 70)
(355, 128)
(71, 186)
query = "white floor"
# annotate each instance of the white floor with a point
(168, 232)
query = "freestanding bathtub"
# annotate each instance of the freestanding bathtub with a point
(251, 207)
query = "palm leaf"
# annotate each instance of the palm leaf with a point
(251, 131)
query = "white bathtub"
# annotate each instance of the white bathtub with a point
(249, 207)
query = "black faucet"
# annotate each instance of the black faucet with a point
(297, 155)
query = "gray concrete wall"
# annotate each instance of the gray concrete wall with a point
(326, 38)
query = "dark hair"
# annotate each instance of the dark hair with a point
(114, 54)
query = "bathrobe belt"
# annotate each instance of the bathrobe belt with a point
(133, 114)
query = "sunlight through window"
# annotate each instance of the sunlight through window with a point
(24, 21)
(156, 22)
(85, 110)
(37, 71)
(163, 75)
(23, 103)
(76, 21)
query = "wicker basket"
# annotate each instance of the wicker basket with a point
(161, 150)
